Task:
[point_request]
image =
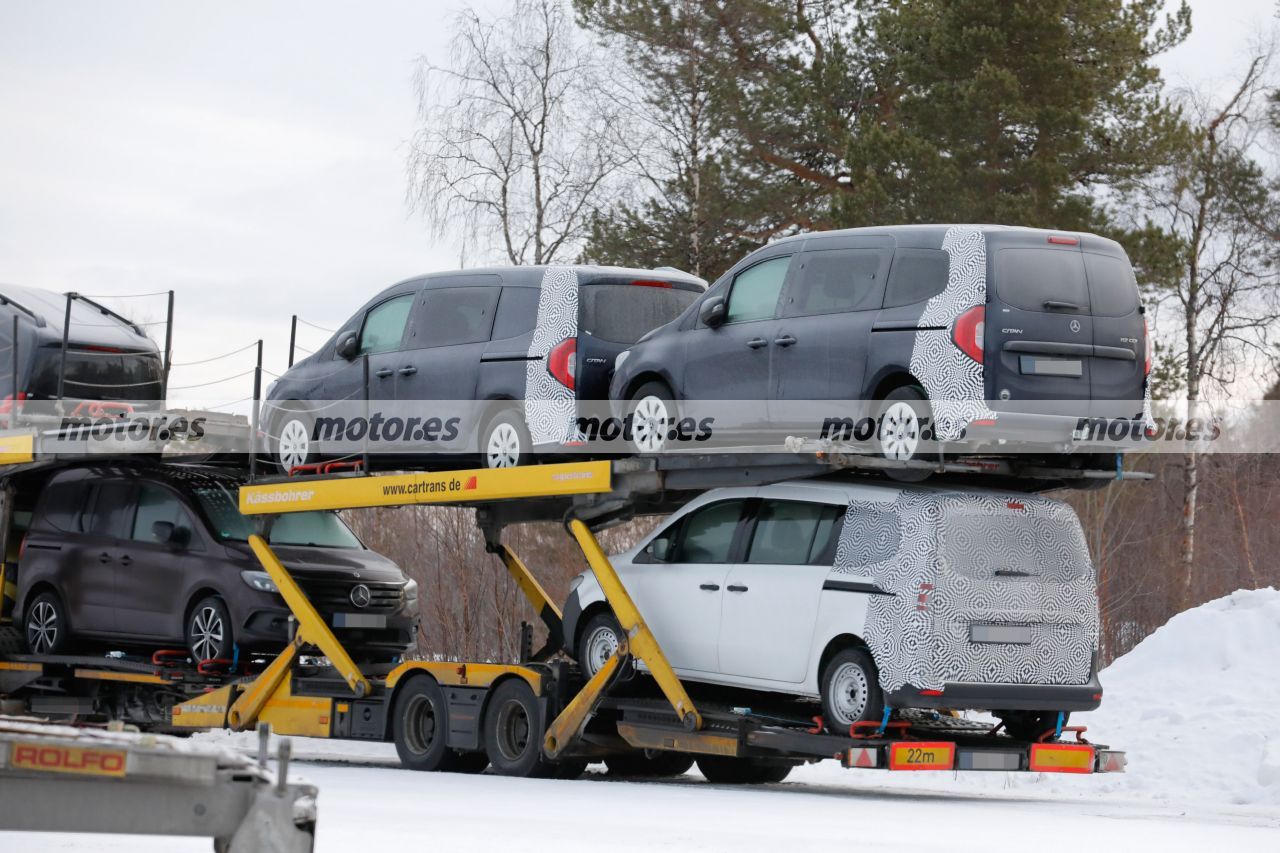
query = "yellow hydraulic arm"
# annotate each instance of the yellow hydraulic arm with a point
(636, 640)
(312, 630)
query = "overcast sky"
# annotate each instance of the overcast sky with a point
(250, 156)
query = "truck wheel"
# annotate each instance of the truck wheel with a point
(727, 770)
(1030, 725)
(45, 625)
(513, 732)
(209, 634)
(420, 726)
(597, 643)
(471, 762)
(850, 690)
(643, 765)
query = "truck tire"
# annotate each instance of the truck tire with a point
(420, 726)
(641, 765)
(850, 689)
(1030, 725)
(728, 770)
(513, 730)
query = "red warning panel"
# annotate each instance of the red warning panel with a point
(922, 755)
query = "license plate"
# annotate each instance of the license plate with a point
(359, 620)
(1051, 366)
(922, 755)
(1018, 634)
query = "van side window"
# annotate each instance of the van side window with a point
(917, 275)
(755, 291)
(787, 532)
(1113, 288)
(384, 325)
(454, 315)
(517, 312)
(836, 280)
(107, 512)
(706, 534)
(61, 505)
(873, 534)
(156, 504)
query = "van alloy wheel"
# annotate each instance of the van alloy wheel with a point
(294, 445)
(207, 631)
(899, 431)
(42, 628)
(503, 448)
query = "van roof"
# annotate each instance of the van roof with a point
(932, 234)
(533, 274)
(88, 321)
(849, 488)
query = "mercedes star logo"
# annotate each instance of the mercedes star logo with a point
(360, 595)
(1075, 325)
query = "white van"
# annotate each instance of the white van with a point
(864, 596)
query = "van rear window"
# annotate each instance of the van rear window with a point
(988, 547)
(1113, 288)
(624, 313)
(96, 375)
(1029, 278)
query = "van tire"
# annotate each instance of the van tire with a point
(505, 442)
(594, 640)
(900, 420)
(850, 690)
(294, 443)
(730, 770)
(420, 727)
(45, 628)
(650, 400)
(209, 629)
(513, 730)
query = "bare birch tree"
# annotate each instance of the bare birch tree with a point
(1219, 209)
(516, 143)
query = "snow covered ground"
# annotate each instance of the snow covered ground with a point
(1194, 705)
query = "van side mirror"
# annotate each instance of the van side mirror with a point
(713, 312)
(348, 345)
(660, 549)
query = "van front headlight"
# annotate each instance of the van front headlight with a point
(261, 581)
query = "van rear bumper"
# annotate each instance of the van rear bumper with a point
(1005, 697)
(1060, 432)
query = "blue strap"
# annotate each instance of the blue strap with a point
(884, 721)
(1119, 465)
(1062, 718)
(235, 656)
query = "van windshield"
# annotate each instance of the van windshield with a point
(311, 529)
(624, 313)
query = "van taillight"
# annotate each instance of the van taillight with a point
(1146, 331)
(562, 362)
(6, 405)
(650, 282)
(1063, 241)
(967, 333)
(22, 548)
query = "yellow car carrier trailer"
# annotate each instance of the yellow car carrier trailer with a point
(537, 717)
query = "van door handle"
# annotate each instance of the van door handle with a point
(756, 343)
(1054, 305)
(709, 587)
(383, 373)
(735, 588)
(408, 371)
(104, 557)
(126, 560)
(785, 340)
